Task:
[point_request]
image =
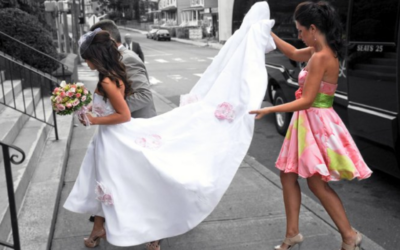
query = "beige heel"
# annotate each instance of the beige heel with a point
(357, 243)
(291, 242)
(94, 241)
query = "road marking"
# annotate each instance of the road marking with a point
(179, 60)
(161, 60)
(146, 62)
(154, 81)
(199, 75)
(211, 58)
(201, 60)
(158, 55)
(177, 77)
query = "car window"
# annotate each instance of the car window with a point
(163, 32)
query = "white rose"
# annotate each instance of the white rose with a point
(63, 84)
(72, 90)
(79, 84)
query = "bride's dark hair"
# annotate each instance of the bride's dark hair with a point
(325, 18)
(103, 53)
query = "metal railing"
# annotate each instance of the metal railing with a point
(61, 67)
(35, 87)
(10, 190)
(13, 70)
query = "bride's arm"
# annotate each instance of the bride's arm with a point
(114, 95)
(298, 55)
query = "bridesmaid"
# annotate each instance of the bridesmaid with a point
(317, 145)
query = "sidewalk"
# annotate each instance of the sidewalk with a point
(201, 43)
(250, 215)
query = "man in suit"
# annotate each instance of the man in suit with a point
(135, 47)
(140, 102)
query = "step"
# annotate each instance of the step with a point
(31, 139)
(38, 213)
(12, 121)
(8, 94)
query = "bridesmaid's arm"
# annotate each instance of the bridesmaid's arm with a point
(316, 70)
(114, 95)
(298, 55)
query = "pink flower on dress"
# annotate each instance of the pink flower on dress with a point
(225, 111)
(152, 141)
(298, 93)
(141, 142)
(102, 195)
(188, 99)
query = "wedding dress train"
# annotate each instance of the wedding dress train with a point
(160, 177)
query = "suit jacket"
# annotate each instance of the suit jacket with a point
(135, 47)
(140, 102)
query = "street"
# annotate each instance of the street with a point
(373, 205)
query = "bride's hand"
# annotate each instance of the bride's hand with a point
(261, 112)
(91, 119)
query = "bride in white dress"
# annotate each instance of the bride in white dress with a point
(160, 177)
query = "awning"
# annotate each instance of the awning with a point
(169, 8)
(193, 8)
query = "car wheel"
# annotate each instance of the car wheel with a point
(282, 119)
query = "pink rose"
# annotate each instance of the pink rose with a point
(68, 105)
(56, 90)
(77, 95)
(76, 102)
(60, 107)
(85, 92)
(225, 111)
(59, 99)
(62, 94)
(83, 98)
(70, 94)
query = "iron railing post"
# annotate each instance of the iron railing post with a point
(10, 190)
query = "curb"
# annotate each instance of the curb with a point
(191, 42)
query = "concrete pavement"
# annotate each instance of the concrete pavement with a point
(250, 215)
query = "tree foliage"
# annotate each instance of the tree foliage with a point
(27, 29)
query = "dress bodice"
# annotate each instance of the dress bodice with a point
(101, 107)
(325, 96)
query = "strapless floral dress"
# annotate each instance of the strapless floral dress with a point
(318, 142)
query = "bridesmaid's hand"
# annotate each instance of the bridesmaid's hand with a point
(261, 112)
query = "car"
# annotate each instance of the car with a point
(151, 33)
(368, 97)
(162, 35)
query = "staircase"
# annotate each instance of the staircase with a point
(27, 121)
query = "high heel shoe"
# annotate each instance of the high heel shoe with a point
(357, 243)
(154, 245)
(94, 241)
(291, 242)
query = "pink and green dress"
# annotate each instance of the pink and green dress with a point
(318, 142)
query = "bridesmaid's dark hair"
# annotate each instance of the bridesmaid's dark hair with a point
(103, 53)
(325, 18)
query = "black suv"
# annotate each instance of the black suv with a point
(368, 95)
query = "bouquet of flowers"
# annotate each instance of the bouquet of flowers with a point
(70, 98)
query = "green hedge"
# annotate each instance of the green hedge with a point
(27, 29)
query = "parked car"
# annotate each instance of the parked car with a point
(368, 94)
(151, 33)
(162, 35)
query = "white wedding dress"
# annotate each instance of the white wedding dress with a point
(160, 177)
